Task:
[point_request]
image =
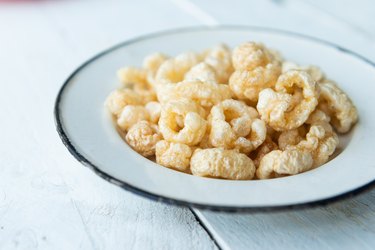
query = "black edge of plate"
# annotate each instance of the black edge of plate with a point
(66, 141)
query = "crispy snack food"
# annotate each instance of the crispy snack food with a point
(182, 122)
(314, 71)
(142, 137)
(173, 70)
(202, 72)
(221, 163)
(206, 93)
(288, 106)
(267, 146)
(237, 115)
(220, 59)
(119, 98)
(173, 155)
(338, 106)
(255, 69)
(236, 125)
(154, 110)
(130, 115)
(287, 162)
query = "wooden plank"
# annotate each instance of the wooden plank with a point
(47, 199)
(345, 225)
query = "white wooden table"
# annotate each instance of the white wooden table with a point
(49, 201)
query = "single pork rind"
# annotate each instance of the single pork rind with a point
(288, 106)
(173, 155)
(206, 94)
(119, 98)
(321, 141)
(300, 150)
(255, 69)
(154, 110)
(315, 72)
(201, 72)
(236, 125)
(152, 62)
(136, 80)
(130, 115)
(338, 105)
(267, 146)
(182, 122)
(291, 137)
(246, 84)
(250, 55)
(173, 70)
(221, 163)
(205, 142)
(146, 95)
(142, 137)
(288, 162)
(220, 59)
(318, 116)
(132, 75)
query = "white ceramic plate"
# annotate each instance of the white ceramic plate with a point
(87, 130)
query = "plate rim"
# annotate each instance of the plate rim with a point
(156, 197)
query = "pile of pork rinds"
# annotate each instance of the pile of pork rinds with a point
(241, 114)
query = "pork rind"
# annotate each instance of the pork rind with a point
(236, 125)
(221, 163)
(288, 162)
(173, 155)
(250, 55)
(130, 115)
(154, 110)
(196, 112)
(291, 137)
(267, 146)
(205, 94)
(300, 150)
(132, 76)
(182, 122)
(202, 72)
(288, 106)
(255, 69)
(320, 140)
(142, 137)
(338, 106)
(152, 62)
(246, 85)
(119, 98)
(315, 72)
(220, 60)
(173, 70)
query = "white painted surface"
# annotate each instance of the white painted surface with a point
(49, 201)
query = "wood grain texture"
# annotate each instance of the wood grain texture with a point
(47, 199)
(345, 225)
